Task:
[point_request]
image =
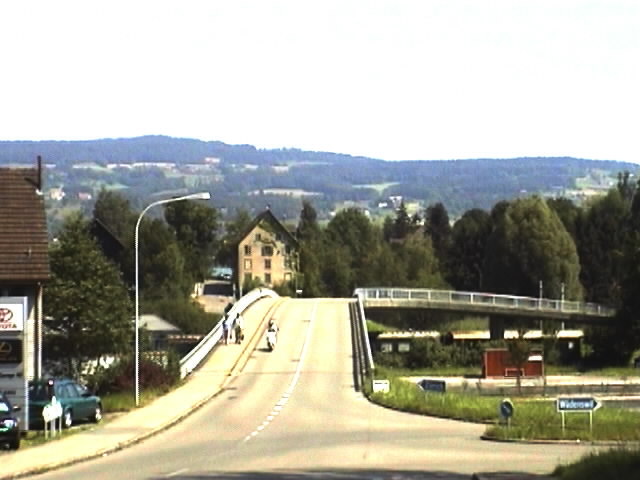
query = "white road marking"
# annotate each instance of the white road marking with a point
(176, 473)
(285, 396)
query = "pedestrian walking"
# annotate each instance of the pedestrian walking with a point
(226, 329)
(239, 328)
(225, 335)
(230, 326)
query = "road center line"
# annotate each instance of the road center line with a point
(285, 396)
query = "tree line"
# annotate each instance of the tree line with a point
(589, 252)
(528, 246)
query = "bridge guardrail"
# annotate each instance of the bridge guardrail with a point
(191, 360)
(499, 300)
(369, 365)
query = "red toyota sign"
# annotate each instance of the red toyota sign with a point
(11, 318)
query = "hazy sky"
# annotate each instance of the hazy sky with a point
(396, 79)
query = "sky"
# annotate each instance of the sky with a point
(388, 79)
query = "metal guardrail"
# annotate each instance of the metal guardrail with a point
(454, 297)
(191, 360)
(365, 334)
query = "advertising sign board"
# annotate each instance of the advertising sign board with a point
(12, 313)
(10, 350)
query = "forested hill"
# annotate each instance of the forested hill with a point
(152, 149)
(247, 177)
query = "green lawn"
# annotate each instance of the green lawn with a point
(533, 419)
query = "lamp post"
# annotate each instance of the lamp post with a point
(193, 196)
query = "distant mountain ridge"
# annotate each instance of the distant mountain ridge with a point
(151, 148)
(246, 177)
(160, 148)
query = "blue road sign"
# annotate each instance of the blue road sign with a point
(433, 385)
(506, 408)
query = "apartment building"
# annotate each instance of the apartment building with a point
(267, 253)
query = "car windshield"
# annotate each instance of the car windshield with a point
(4, 407)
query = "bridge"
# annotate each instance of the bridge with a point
(496, 307)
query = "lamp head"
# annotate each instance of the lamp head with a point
(201, 196)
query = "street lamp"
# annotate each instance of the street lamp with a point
(193, 196)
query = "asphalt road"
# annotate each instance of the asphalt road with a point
(293, 413)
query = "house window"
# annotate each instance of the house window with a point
(247, 249)
(258, 237)
(404, 347)
(267, 278)
(267, 251)
(267, 264)
(247, 264)
(287, 262)
(386, 347)
(287, 276)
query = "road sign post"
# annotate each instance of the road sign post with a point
(577, 405)
(50, 413)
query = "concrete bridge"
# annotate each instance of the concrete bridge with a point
(497, 307)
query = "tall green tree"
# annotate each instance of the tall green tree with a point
(601, 239)
(351, 230)
(196, 229)
(386, 268)
(438, 227)
(336, 272)
(115, 212)
(402, 225)
(568, 213)
(162, 272)
(310, 238)
(529, 244)
(87, 304)
(233, 230)
(417, 257)
(468, 245)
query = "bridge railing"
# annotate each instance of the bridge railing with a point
(476, 298)
(192, 359)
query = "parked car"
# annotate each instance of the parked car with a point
(77, 402)
(9, 423)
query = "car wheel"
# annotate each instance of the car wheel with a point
(97, 414)
(15, 444)
(67, 419)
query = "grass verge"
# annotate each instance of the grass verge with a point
(533, 419)
(617, 463)
(111, 403)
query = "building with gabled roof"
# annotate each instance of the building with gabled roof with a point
(24, 268)
(267, 253)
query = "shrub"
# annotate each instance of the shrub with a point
(120, 377)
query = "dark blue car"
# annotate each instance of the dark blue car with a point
(9, 423)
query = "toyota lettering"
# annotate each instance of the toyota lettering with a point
(9, 321)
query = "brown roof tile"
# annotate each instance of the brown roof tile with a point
(24, 255)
